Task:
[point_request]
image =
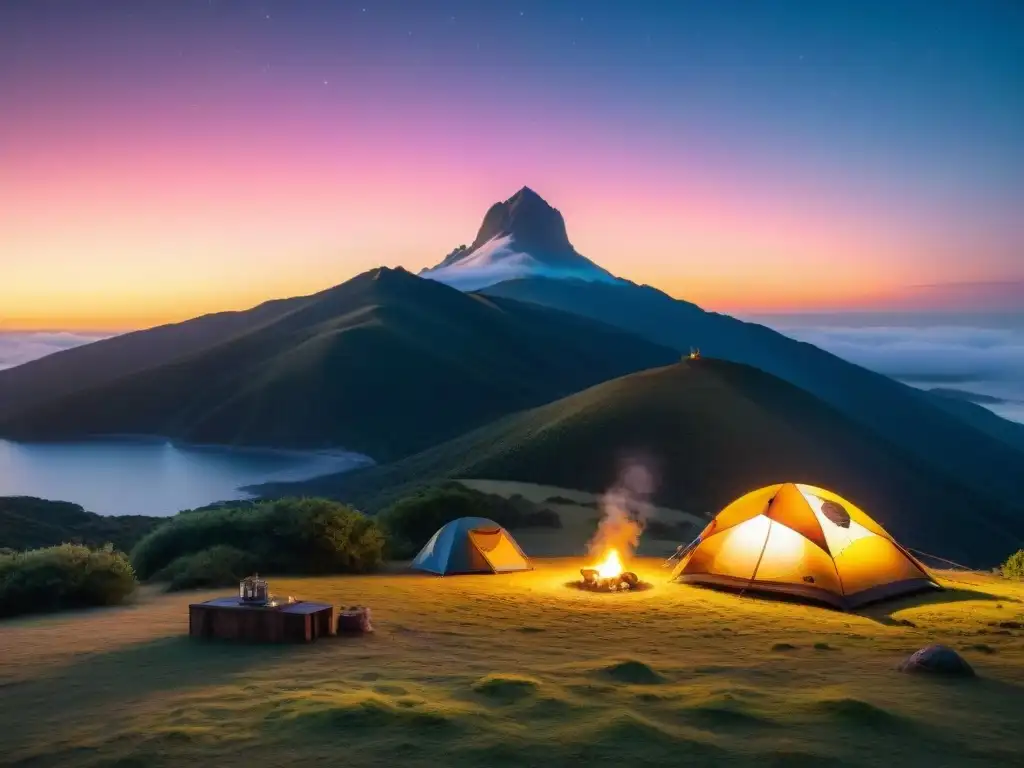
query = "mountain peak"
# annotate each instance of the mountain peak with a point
(519, 237)
(526, 192)
(529, 218)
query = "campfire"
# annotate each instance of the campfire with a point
(609, 575)
(625, 508)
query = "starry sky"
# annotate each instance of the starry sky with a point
(159, 160)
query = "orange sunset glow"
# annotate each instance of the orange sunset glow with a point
(215, 158)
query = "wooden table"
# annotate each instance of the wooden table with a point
(228, 619)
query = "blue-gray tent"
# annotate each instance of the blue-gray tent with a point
(471, 545)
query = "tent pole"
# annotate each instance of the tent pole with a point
(759, 557)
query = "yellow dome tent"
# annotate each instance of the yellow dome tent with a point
(802, 541)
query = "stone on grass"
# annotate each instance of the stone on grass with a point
(937, 660)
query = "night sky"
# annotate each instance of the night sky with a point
(163, 159)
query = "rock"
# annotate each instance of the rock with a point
(937, 660)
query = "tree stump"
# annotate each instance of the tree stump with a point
(354, 620)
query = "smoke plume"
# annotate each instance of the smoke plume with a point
(626, 507)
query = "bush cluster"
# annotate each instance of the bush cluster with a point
(411, 521)
(63, 577)
(287, 536)
(218, 566)
(1013, 568)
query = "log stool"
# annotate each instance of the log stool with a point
(354, 620)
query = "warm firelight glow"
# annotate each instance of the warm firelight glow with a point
(611, 566)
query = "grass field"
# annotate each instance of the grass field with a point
(515, 670)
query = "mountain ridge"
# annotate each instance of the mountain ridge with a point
(384, 364)
(905, 416)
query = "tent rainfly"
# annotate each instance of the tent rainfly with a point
(471, 545)
(803, 541)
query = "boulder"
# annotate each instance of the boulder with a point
(937, 660)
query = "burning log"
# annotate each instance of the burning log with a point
(609, 576)
(618, 583)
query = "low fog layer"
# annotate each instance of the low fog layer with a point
(981, 356)
(17, 347)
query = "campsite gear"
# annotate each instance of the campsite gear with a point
(471, 545)
(252, 590)
(803, 541)
(681, 552)
(227, 618)
(354, 620)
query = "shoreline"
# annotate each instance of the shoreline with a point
(147, 439)
(266, 465)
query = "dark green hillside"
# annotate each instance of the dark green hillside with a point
(711, 430)
(958, 444)
(386, 364)
(963, 407)
(30, 523)
(102, 362)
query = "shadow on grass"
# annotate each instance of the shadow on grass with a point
(167, 663)
(882, 611)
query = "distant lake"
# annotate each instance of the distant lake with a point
(151, 477)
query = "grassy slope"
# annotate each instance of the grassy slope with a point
(519, 670)
(712, 431)
(102, 362)
(30, 523)
(385, 364)
(908, 417)
(980, 417)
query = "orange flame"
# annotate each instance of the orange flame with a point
(611, 566)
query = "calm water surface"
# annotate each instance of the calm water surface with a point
(151, 477)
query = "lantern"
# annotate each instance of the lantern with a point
(253, 590)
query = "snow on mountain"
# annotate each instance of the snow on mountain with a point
(500, 259)
(520, 237)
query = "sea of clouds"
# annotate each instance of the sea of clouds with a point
(17, 347)
(979, 355)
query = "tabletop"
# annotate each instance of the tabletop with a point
(299, 607)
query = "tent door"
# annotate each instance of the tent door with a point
(496, 549)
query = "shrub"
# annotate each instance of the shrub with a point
(67, 576)
(560, 500)
(299, 536)
(411, 521)
(219, 566)
(540, 518)
(1013, 568)
(30, 523)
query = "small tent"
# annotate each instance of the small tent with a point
(471, 545)
(804, 541)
